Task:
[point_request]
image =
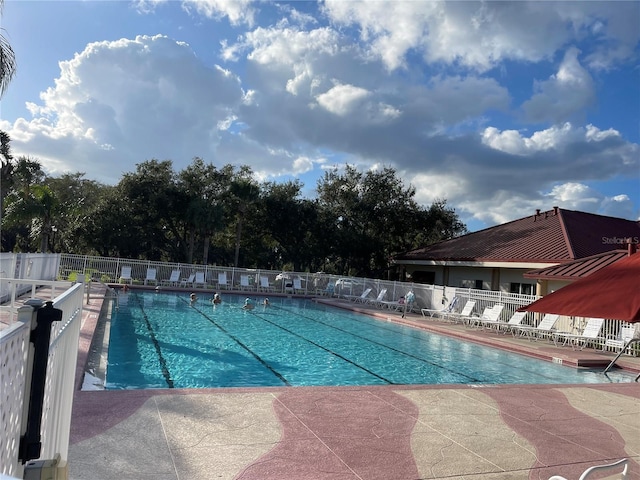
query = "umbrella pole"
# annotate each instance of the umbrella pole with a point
(619, 354)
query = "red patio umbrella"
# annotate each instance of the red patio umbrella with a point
(611, 292)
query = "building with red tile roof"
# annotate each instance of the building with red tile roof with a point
(499, 257)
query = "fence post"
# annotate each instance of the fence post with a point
(30, 444)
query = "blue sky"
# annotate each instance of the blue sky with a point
(498, 107)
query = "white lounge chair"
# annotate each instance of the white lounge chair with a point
(297, 285)
(624, 464)
(125, 275)
(440, 311)
(244, 282)
(401, 304)
(188, 281)
(590, 334)
(151, 277)
(514, 322)
(200, 280)
(174, 279)
(222, 280)
(378, 300)
(393, 304)
(545, 328)
(359, 298)
(619, 341)
(490, 317)
(465, 313)
(264, 284)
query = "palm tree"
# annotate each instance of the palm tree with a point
(7, 61)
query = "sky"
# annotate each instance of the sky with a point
(500, 108)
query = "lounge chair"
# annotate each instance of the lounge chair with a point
(545, 328)
(330, 291)
(244, 282)
(188, 281)
(378, 300)
(465, 313)
(125, 275)
(297, 285)
(264, 284)
(359, 298)
(174, 279)
(405, 303)
(440, 311)
(618, 342)
(590, 334)
(514, 322)
(222, 280)
(151, 277)
(624, 464)
(490, 317)
(393, 304)
(199, 280)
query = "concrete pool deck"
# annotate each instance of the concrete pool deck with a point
(387, 433)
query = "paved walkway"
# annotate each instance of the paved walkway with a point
(387, 432)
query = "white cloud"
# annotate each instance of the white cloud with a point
(342, 99)
(564, 94)
(480, 35)
(237, 11)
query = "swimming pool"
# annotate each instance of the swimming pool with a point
(160, 340)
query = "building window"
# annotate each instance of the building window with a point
(421, 276)
(523, 288)
(476, 284)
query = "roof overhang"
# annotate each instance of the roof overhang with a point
(475, 263)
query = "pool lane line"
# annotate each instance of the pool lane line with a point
(370, 372)
(154, 340)
(424, 360)
(235, 339)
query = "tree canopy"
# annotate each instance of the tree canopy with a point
(221, 215)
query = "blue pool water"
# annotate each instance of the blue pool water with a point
(159, 340)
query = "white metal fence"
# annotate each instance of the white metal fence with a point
(25, 266)
(15, 378)
(109, 270)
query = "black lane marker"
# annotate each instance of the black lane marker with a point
(471, 379)
(235, 339)
(370, 372)
(154, 340)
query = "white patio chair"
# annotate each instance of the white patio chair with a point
(359, 298)
(151, 277)
(188, 281)
(514, 322)
(590, 334)
(222, 280)
(545, 328)
(125, 275)
(465, 313)
(265, 286)
(173, 280)
(378, 300)
(244, 282)
(200, 280)
(440, 311)
(490, 317)
(619, 341)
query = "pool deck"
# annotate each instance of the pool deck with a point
(361, 433)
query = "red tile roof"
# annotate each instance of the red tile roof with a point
(578, 268)
(554, 236)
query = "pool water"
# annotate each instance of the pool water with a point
(160, 340)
